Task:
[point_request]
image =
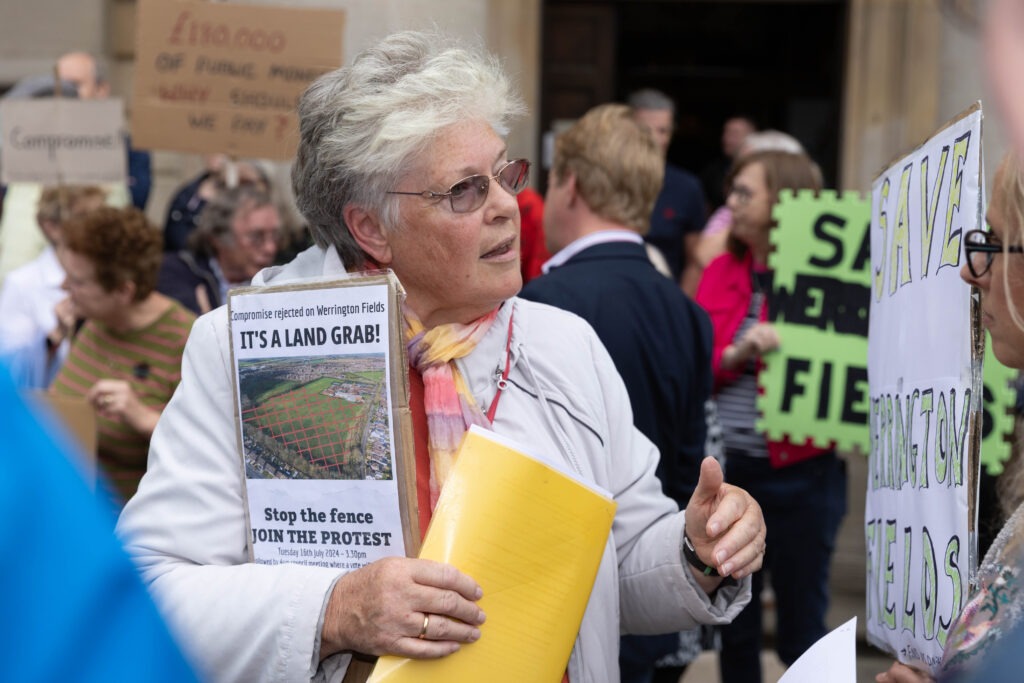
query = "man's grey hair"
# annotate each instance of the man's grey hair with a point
(649, 98)
(362, 126)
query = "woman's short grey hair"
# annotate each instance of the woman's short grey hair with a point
(361, 126)
(215, 221)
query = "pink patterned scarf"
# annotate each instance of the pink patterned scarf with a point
(449, 405)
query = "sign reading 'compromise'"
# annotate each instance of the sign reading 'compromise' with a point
(218, 77)
(59, 140)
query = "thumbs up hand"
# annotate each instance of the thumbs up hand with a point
(725, 526)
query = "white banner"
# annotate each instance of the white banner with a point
(924, 395)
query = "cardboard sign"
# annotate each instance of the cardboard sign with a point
(215, 77)
(76, 414)
(59, 140)
(925, 384)
(323, 422)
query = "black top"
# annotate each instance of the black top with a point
(659, 340)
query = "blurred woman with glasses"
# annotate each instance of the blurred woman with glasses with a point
(126, 358)
(238, 234)
(403, 164)
(801, 489)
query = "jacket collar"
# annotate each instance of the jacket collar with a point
(314, 261)
(584, 243)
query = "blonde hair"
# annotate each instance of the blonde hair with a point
(617, 165)
(1009, 185)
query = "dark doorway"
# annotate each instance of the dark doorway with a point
(778, 62)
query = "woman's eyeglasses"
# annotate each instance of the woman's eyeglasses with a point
(743, 194)
(981, 247)
(469, 194)
(258, 238)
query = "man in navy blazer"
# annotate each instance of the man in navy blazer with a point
(606, 175)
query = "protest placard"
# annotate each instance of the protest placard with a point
(925, 385)
(223, 77)
(997, 411)
(815, 385)
(323, 422)
(58, 140)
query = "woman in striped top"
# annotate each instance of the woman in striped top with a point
(126, 358)
(801, 489)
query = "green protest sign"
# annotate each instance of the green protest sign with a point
(814, 388)
(997, 422)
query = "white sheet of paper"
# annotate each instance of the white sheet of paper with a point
(833, 659)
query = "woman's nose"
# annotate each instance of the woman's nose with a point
(501, 201)
(967, 276)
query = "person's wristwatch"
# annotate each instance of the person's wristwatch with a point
(691, 556)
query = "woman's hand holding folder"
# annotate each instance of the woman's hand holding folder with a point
(413, 608)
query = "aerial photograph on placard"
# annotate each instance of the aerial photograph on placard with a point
(322, 417)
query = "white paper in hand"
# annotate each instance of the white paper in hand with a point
(833, 659)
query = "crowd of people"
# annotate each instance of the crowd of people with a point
(96, 302)
(628, 307)
(452, 241)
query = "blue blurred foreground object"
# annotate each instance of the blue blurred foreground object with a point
(74, 606)
(1000, 665)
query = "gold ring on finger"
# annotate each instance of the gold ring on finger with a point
(426, 623)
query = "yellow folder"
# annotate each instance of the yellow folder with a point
(532, 537)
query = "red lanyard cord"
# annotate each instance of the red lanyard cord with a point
(503, 382)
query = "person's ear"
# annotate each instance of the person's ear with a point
(126, 292)
(368, 232)
(570, 188)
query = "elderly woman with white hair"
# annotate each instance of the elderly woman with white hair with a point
(402, 164)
